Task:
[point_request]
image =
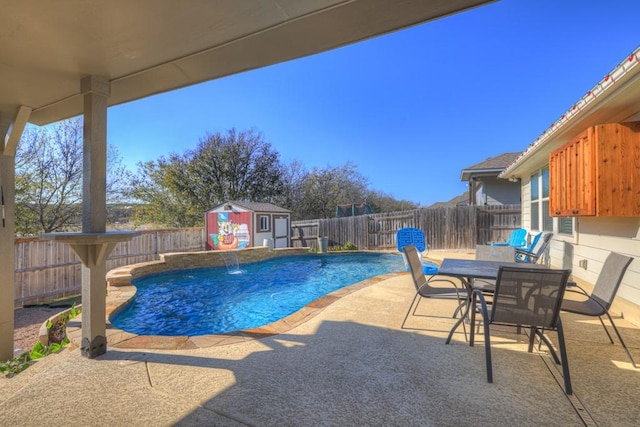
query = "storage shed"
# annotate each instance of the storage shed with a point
(237, 225)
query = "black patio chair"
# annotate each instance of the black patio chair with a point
(492, 253)
(526, 297)
(424, 288)
(604, 291)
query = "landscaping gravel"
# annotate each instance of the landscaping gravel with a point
(27, 325)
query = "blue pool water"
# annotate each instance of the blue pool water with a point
(211, 301)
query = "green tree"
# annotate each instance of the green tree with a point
(49, 178)
(381, 202)
(231, 166)
(177, 190)
(326, 188)
(158, 203)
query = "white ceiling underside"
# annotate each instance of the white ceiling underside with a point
(145, 47)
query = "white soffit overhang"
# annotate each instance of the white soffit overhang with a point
(145, 47)
(466, 174)
(616, 98)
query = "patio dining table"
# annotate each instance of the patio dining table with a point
(468, 270)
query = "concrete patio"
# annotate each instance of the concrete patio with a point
(351, 363)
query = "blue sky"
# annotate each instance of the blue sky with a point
(411, 109)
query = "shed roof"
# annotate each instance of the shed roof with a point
(256, 206)
(491, 166)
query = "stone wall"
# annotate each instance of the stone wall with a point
(122, 276)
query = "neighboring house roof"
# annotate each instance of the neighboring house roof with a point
(490, 166)
(614, 99)
(461, 200)
(255, 206)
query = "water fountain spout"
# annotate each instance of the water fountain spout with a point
(230, 259)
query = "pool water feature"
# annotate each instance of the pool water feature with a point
(231, 261)
(211, 301)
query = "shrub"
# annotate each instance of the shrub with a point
(346, 247)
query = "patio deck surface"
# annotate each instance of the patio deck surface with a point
(351, 363)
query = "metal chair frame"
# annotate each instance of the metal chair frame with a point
(424, 288)
(534, 252)
(601, 298)
(533, 309)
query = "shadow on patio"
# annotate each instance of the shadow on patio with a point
(350, 365)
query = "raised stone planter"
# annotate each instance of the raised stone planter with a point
(43, 333)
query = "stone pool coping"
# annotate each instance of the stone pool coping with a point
(120, 291)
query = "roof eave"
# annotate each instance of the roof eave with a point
(597, 106)
(468, 173)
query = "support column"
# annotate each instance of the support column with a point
(10, 134)
(93, 245)
(7, 250)
(93, 250)
(94, 206)
(94, 191)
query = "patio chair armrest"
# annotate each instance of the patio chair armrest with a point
(523, 252)
(575, 288)
(583, 295)
(484, 308)
(437, 278)
(499, 244)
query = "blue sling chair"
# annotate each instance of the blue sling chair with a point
(518, 239)
(414, 236)
(534, 252)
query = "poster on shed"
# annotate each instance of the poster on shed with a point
(232, 230)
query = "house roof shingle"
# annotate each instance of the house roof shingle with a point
(491, 165)
(461, 200)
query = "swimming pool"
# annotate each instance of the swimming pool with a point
(212, 301)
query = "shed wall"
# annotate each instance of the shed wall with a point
(229, 230)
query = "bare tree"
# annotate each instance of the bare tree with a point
(49, 178)
(294, 176)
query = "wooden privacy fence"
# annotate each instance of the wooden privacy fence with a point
(46, 270)
(460, 227)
